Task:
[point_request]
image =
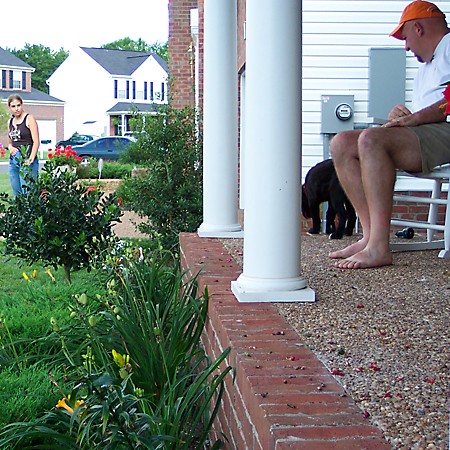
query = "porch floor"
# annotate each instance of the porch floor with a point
(366, 366)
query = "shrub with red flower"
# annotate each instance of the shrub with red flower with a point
(64, 157)
(446, 105)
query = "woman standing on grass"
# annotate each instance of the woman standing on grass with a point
(23, 131)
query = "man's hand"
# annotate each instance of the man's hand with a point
(401, 116)
(398, 111)
(406, 121)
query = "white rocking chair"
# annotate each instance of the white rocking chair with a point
(440, 175)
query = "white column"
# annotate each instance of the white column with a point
(220, 142)
(273, 155)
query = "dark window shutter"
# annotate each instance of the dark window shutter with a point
(151, 91)
(162, 91)
(11, 79)
(128, 89)
(115, 88)
(24, 80)
(145, 91)
(4, 79)
(134, 90)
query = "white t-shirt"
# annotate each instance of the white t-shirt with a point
(431, 75)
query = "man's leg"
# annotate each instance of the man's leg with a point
(381, 151)
(345, 154)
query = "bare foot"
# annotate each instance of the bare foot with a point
(350, 250)
(366, 259)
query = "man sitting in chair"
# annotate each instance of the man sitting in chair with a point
(366, 160)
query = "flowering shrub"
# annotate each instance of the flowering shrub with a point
(64, 156)
(59, 222)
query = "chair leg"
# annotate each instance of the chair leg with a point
(445, 253)
(433, 210)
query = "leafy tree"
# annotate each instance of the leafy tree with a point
(59, 222)
(168, 192)
(43, 59)
(161, 49)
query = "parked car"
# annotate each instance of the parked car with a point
(76, 139)
(105, 148)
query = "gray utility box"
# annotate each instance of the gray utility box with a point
(387, 75)
(337, 113)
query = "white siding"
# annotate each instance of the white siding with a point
(337, 36)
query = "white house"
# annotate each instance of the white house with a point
(100, 88)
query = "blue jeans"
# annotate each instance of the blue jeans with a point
(17, 173)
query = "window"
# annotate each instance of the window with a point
(16, 79)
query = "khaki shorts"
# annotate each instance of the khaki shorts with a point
(434, 141)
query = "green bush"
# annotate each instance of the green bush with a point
(169, 192)
(59, 222)
(110, 170)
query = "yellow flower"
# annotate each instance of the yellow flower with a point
(34, 273)
(62, 404)
(120, 360)
(50, 274)
(25, 276)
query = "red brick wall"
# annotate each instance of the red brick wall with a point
(181, 69)
(241, 17)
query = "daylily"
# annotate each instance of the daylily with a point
(25, 276)
(34, 273)
(50, 274)
(62, 404)
(120, 360)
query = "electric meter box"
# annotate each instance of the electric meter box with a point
(337, 113)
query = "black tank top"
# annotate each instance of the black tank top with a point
(20, 134)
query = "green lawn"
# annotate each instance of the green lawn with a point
(4, 183)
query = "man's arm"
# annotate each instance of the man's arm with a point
(399, 116)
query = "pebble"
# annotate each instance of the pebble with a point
(411, 351)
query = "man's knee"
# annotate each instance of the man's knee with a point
(344, 144)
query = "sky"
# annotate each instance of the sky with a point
(84, 23)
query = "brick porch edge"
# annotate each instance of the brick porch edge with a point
(283, 397)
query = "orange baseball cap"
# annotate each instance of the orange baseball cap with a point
(419, 9)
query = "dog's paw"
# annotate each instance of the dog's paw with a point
(312, 231)
(335, 236)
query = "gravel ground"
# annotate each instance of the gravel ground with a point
(385, 335)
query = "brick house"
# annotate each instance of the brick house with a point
(16, 77)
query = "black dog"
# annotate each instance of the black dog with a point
(322, 185)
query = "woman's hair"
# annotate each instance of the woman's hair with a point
(13, 97)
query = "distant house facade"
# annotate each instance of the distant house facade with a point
(16, 77)
(102, 87)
